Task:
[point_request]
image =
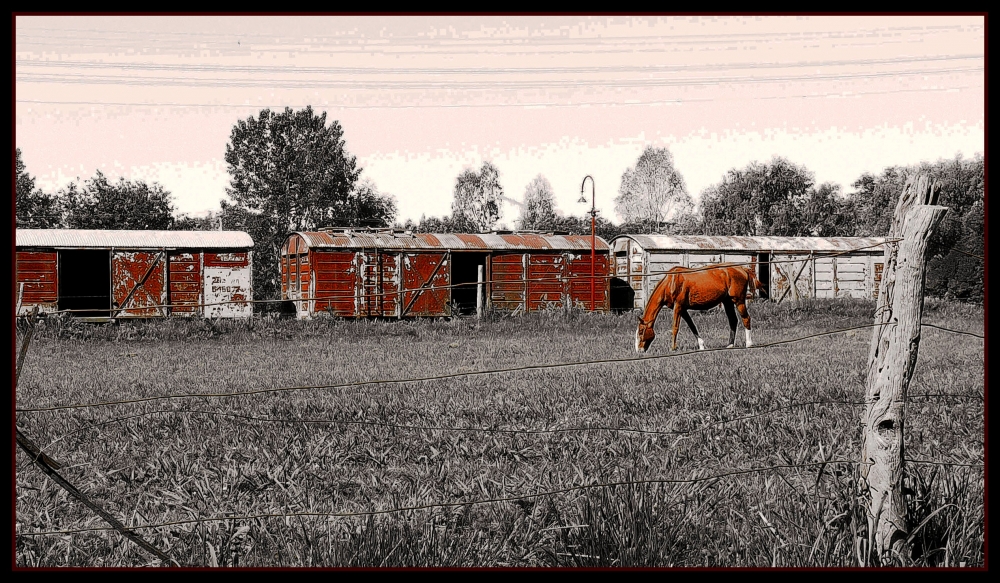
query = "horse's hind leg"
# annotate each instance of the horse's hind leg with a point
(690, 323)
(731, 314)
(742, 307)
(677, 322)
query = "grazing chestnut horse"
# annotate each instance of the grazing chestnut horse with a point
(684, 289)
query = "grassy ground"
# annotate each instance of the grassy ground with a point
(376, 447)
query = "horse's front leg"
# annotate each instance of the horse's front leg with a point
(731, 314)
(690, 323)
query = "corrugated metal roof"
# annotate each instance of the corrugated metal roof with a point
(455, 241)
(723, 243)
(103, 239)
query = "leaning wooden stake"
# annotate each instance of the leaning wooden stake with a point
(49, 466)
(891, 359)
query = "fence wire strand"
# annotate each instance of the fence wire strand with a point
(437, 377)
(431, 506)
(492, 430)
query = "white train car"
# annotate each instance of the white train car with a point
(787, 267)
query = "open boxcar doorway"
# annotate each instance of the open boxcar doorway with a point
(465, 270)
(764, 273)
(622, 296)
(85, 282)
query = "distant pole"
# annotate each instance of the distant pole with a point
(593, 238)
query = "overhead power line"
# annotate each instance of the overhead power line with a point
(376, 70)
(623, 103)
(455, 84)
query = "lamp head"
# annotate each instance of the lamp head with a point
(583, 199)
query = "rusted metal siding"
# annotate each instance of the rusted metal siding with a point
(356, 281)
(425, 270)
(546, 284)
(293, 264)
(576, 270)
(37, 271)
(137, 283)
(227, 287)
(185, 283)
(377, 284)
(507, 287)
(334, 283)
(405, 241)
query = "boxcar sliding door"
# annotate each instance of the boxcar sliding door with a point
(137, 284)
(421, 271)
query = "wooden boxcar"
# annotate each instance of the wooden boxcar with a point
(391, 273)
(788, 267)
(101, 275)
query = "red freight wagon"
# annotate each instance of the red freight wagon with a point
(101, 274)
(392, 273)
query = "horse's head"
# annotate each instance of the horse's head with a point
(644, 335)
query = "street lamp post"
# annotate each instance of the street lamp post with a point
(593, 237)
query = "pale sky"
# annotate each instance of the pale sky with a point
(422, 97)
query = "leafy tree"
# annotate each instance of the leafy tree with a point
(478, 198)
(372, 208)
(290, 171)
(33, 208)
(445, 224)
(825, 213)
(209, 222)
(652, 192)
(761, 199)
(125, 204)
(538, 208)
(953, 269)
(874, 201)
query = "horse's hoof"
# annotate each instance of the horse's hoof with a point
(731, 346)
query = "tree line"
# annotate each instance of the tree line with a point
(290, 171)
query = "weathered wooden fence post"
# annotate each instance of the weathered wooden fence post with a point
(891, 359)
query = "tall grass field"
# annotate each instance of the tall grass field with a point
(727, 458)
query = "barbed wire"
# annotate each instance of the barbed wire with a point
(431, 506)
(437, 377)
(953, 331)
(580, 429)
(969, 254)
(463, 373)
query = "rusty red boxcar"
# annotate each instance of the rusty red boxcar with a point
(102, 274)
(393, 273)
